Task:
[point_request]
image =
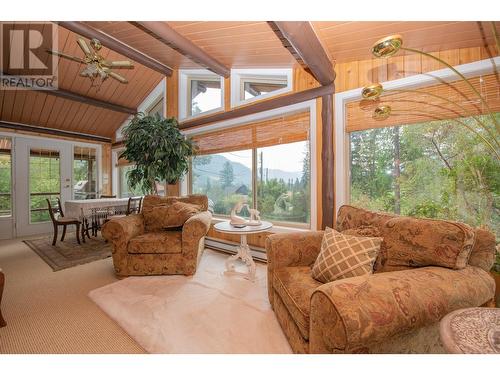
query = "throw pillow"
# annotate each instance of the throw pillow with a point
(178, 213)
(343, 256)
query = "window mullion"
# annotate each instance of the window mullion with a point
(254, 178)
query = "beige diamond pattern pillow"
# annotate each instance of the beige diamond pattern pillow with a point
(344, 256)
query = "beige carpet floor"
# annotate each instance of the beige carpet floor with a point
(206, 313)
(50, 312)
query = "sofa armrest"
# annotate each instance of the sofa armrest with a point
(352, 314)
(291, 249)
(119, 232)
(193, 231)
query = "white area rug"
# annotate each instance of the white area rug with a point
(206, 313)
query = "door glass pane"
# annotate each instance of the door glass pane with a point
(84, 173)
(283, 182)
(5, 177)
(205, 95)
(225, 178)
(125, 190)
(44, 182)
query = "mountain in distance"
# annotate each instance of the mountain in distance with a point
(242, 174)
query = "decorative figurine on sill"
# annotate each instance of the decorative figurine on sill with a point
(240, 222)
(254, 217)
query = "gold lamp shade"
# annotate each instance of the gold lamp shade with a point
(372, 91)
(382, 112)
(388, 46)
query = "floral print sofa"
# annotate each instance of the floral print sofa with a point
(395, 310)
(139, 251)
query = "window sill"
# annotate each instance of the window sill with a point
(274, 229)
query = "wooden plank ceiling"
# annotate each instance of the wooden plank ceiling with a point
(235, 44)
(40, 109)
(350, 41)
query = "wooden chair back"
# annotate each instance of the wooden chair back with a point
(134, 205)
(54, 210)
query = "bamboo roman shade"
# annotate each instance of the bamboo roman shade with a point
(279, 130)
(417, 107)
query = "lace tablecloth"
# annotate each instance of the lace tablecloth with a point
(84, 208)
(471, 331)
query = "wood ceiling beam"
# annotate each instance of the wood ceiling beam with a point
(49, 131)
(61, 93)
(168, 36)
(114, 44)
(266, 105)
(303, 43)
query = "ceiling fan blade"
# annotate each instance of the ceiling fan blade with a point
(118, 64)
(117, 77)
(66, 56)
(83, 45)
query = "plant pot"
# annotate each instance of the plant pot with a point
(496, 277)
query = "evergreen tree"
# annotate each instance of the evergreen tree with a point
(227, 175)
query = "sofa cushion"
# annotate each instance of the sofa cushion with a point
(167, 212)
(343, 256)
(483, 251)
(350, 217)
(167, 242)
(410, 242)
(295, 285)
(363, 231)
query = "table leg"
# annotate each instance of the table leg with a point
(243, 253)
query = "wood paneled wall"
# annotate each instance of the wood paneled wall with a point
(355, 74)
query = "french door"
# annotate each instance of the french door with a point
(43, 170)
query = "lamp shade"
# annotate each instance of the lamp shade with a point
(388, 46)
(372, 91)
(382, 112)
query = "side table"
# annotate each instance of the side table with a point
(474, 330)
(242, 251)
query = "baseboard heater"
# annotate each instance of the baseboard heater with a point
(258, 253)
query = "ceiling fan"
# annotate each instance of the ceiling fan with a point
(97, 66)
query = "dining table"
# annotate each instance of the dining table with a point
(94, 210)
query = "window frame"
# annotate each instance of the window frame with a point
(238, 76)
(185, 78)
(310, 105)
(342, 138)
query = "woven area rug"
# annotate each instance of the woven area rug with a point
(68, 253)
(205, 313)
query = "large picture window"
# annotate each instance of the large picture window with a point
(440, 168)
(267, 164)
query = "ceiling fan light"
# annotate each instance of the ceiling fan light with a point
(95, 44)
(382, 112)
(372, 91)
(388, 46)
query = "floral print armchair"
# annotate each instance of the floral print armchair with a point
(139, 251)
(396, 309)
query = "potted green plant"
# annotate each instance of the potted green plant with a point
(495, 272)
(158, 150)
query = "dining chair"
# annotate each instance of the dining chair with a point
(61, 220)
(134, 206)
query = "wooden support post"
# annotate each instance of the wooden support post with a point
(328, 165)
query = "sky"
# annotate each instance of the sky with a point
(287, 157)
